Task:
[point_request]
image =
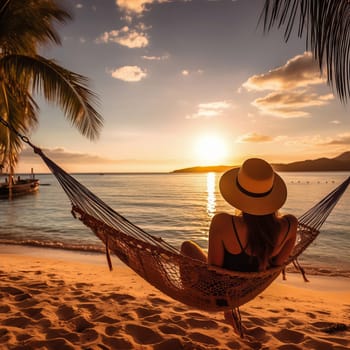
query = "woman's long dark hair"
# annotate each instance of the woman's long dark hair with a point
(262, 236)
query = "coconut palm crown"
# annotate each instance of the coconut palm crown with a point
(327, 27)
(25, 26)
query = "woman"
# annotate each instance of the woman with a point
(257, 238)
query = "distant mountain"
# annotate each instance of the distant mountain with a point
(339, 163)
(204, 169)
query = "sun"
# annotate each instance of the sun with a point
(210, 150)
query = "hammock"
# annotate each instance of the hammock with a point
(198, 285)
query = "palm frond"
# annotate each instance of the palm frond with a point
(26, 24)
(61, 86)
(326, 24)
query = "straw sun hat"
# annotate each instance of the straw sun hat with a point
(254, 188)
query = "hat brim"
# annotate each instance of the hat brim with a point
(267, 204)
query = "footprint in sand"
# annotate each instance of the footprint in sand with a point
(158, 301)
(122, 299)
(257, 333)
(112, 330)
(23, 296)
(288, 309)
(66, 312)
(289, 336)
(54, 333)
(145, 312)
(143, 335)
(88, 335)
(206, 324)
(4, 309)
(106, 319)
(169, 344)
(258, 321)
(80, 324)
(173, 329)
(323, 312)
(115, 343)
(19, 322)
(202, 338)
(11, 290)
(34, 312)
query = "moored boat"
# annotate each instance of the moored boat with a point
(17, 187)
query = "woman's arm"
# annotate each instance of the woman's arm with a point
(289, 242)
(215, 245)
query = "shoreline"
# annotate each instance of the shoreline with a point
(54, 299)
(99, 257)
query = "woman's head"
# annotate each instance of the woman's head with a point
(254, 188)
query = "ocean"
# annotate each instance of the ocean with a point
(176, 207)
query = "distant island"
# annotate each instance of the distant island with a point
(339, 163)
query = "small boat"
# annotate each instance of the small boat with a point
(18, 187)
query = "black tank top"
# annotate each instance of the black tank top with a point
(242, 261)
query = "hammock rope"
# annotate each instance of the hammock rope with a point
(187, 280)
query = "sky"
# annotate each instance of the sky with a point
(184, 83)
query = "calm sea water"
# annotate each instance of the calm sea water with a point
(174, 206)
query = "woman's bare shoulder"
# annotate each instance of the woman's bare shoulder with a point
(221, 220)
(291, 218)
(292, 223)
(221, 216)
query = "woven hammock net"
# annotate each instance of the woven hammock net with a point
(198, 285)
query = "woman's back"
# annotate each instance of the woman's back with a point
(231, 247)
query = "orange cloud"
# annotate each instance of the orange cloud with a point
(254, 137)
(300, 71)
(129, 73)
(210, 109)
(290, 104)
(136, 6)
(126, 36)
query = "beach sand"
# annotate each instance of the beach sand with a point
(52, 299)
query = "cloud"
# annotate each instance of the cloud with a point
(60, 155)
(254, 137)
(210, 110)
(186, 72)
(136, 6)
(299, 72)
(129, 73)
(79, 6)
(155, 58)
(342, 139)
(290, 85)
(126, 36)
(290, 104)
(320, 141)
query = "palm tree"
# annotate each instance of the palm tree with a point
(26, 25)
(327, 27)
